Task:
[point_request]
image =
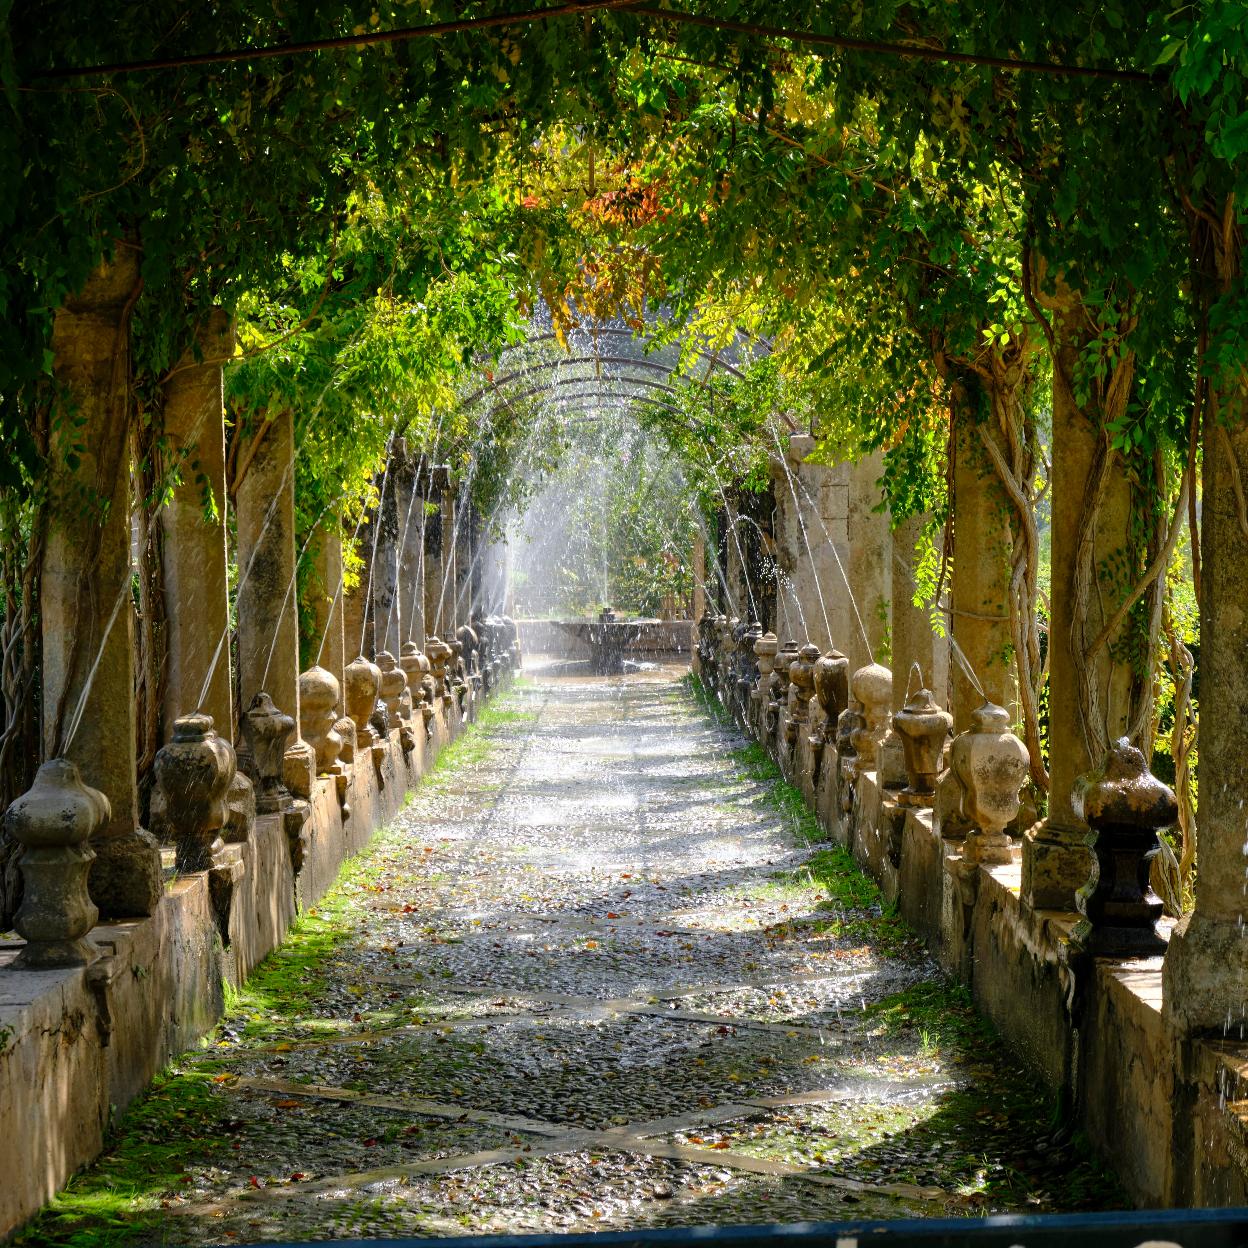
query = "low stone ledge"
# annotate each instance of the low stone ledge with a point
(80, 1044)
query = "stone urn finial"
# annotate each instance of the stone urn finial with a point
(418, 669)
(832, 686)
(361, 684)
(747, 666)
(923, 728)
(319, 693)
(53, 822)
(848, 724)
(415, 667)
(394, 695)
(990, 765)
(801, 690)
(786, 656)
(872, 687)
(765, 648)
(193, 773)
(438, 652)
(266, 730)
(1126, 806)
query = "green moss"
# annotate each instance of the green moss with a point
(943, 1013)
(176, 1126)
(183, 1120)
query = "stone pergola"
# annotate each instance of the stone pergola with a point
(898, 734)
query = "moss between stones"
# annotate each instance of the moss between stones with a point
(181, 1121)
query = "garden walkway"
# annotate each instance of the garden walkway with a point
(594, 976)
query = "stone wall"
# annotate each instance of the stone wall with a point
(657, 637)
(77, 1045)
(1169, 1113)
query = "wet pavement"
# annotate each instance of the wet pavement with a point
(595, 976)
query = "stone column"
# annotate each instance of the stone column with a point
(467, 565)
(735, 571)
(193, 532)
(411, 510)
(387, 619)
(870, 561)
(325, 599)
(268, 628)
(431, 535)
(357, 618)
(699, 578)
(813, 548)
(980, 583)
(1055, 860)
(448, 592)
(1206, 968)
(85, 611)
(911, 629)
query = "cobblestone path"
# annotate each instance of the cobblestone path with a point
(595, 976)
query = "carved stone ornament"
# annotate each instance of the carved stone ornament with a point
(801, 690)
(345, 728)
(786, 656)
(872, 687)
(832, 687)
(319, 694)
(990, 764)
(923, 728)
(241, 801)
(415, 667)
(393, 686)
(361, 683)
(1125, 805)
(418, 669)
(193, 773)
(438, 653)
(848, 722)
(53, 822)
(266, 730)
(765, 648)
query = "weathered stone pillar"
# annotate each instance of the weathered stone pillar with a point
(1206, 969)
(387, 608)
(467, 565)
(449, 592)
(435, 536)
(268, 628)
(813, 548)
(411, 510)
(980, 584)
(325, 599)
(197, 604)
(357, 618)
(699, 578)
(85, 610)
(1055, 859)
(911, 633)
(870, 561)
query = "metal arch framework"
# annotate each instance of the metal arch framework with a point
(655, 400)
(625, 361)
(546, 366)
(504, 400)
(612, 331)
